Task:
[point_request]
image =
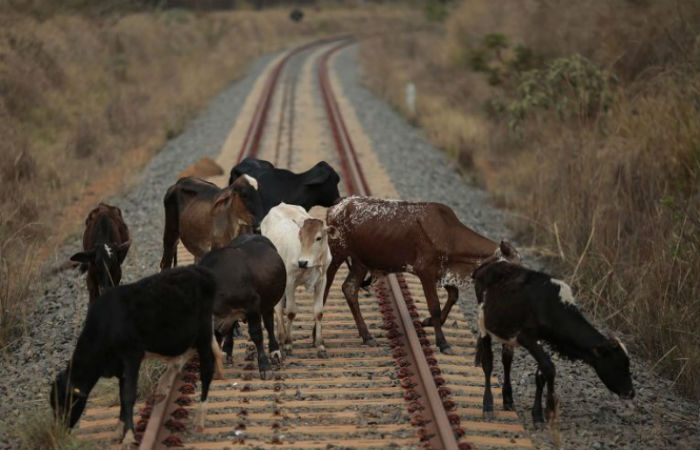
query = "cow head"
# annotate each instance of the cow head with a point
(247, 189)
(237, 209)
(323, 179)
(612, 364)
(105, 260)
(313, 236)
(67, 400)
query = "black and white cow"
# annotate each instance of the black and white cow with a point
(251, 280)
(317, 186)
(518, 306)
(167, 315)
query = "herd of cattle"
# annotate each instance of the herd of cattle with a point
(254, 243)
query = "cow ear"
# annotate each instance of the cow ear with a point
(332, 231)
(122, 249)
(83, 257)
(318, 178)
(222, 202)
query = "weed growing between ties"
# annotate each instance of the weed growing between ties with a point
(583, 119)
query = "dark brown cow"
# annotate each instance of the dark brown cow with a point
(390, 236)
(105, 245)
(206, 217)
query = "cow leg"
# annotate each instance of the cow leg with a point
(279, 316)
(256, 335)
(132, 364)
(318, 316)
(351, 286)
(227, 345)
(507, 391)
(207, 356)
(486, 353)
(544, 376)
(218, 358)
(433, 302)
(290, 312)
(121, 428)
(330, 276)
(452, 296)
(237, 330)
(272, 344)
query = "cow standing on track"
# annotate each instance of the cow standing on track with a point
(251, 280)
(105, 245)
(518, 306)
(302, 242)
(317, 186)
(168, 315)
(206, 217)
(425, 239)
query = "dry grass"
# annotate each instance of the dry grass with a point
(83, 95)
(612, 191)
(39, 430)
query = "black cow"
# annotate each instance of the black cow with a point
(518, 306)
(316, 186)
(168, 314)
(251, 280)
(105, 244)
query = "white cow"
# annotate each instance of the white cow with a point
(302, 242)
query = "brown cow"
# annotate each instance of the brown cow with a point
(425, 239)
(105, 244)
(206, 217)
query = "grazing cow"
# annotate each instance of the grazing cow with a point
(251, 280)
(105, 244)
(302, 242)
(168, 315)
(205, 217)
(316, 186)
(425, 239)
(518, 306)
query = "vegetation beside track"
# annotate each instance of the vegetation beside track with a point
(583, 119)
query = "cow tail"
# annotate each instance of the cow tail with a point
(171, 232)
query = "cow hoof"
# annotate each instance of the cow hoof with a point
(288, 350)
(447, 350)
(488, 415)
(276, 357)
(266, 374)
(508, 406)
(229, 360)
(369, 341)
(537, 418)
(129, 440)
(321, 353)
(426, 322)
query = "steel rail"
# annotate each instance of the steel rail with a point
(443, 437)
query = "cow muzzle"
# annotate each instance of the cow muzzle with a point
(303, 263)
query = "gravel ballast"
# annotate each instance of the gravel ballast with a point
(591, 417)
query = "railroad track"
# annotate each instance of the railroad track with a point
(399, 394)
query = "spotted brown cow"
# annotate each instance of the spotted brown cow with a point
(425, 239)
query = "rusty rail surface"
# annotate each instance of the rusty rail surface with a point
(435, 426)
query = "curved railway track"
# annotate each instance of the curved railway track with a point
(398, 394)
